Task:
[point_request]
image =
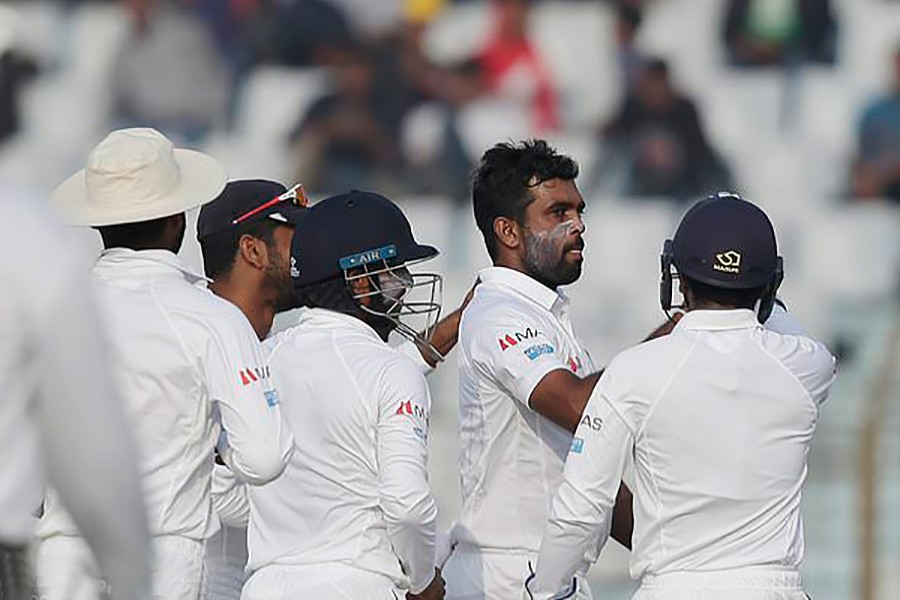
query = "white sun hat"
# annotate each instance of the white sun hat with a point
(137, 175)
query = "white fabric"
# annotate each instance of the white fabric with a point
(55, 389)
(473, 575)
(324, 581)
(718, 418)
(357, 489)
(188, 364)
(136, 175)
(67, 570)
(224, 562)
(743, 584)
(512, 334)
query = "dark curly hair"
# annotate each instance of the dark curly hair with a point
(502, 182)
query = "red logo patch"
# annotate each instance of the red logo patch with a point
(507, 342)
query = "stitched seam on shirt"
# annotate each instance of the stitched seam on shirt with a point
(653, 479)
(170, 494)
(790, 373)
(362, 399)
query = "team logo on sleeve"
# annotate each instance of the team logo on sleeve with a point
(577, 446)
(412, 410)
(538, 350)
(594, 423)
(271, 397)
(253, 374)
(511, 339)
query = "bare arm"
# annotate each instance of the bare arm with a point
(561, 397)
(446, 332)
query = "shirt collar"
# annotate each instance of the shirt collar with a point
(150, 260)
(319, 314)
(526, 286)
(718, 320)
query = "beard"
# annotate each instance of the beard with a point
(278, 279)
(547, 258)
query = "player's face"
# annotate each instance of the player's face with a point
(553, 233)
(278, 272)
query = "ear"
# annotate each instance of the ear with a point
(254, 251)
(507, 232)
(685, 288)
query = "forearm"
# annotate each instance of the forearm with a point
(411, 525)
(623, 517)
(230, 498)
(444, 338)
(572, 530)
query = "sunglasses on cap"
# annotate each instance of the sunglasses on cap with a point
(295, 196)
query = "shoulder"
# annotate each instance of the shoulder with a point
(493, 310)
(798, 353)
(641, 371)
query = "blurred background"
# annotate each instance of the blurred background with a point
(793, 103)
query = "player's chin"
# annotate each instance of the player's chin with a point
(570, 271)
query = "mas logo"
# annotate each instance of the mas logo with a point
(511, 339)
(728, 262)
(252, 375)
(412, 410)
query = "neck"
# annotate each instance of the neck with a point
(254, 303)
(517, 265)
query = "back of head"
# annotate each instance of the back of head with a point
(725, 248)
(502, 182)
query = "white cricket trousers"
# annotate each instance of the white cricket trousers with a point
(66, 569)
(472, 574)
(739, 584)
(224, 562)
(321, 581)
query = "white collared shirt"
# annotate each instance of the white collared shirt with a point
(718, 418)
(356, 490)
(512, 334)
(188, 365)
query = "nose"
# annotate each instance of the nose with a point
(578, 225)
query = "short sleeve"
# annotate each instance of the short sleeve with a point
(514, 349)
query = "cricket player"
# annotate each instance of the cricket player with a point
(353, 515)
(56, 392)
(524, 376)
(245, 237)
(188, 363)
(717, 417)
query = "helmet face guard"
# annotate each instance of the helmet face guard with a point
(410, 301)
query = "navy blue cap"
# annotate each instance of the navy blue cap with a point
(725, 241)
(351, 230)
(241, 197)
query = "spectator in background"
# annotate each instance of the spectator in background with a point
(766, 33)
(877, 171)
(512, 66)
(15, 71)
(343, 141)
(169, 75)
(305, 33)
(629, 59)
(658, 132)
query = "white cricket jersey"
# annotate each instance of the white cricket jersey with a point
(356, 490)
(512, 334)
(718, 418)
(188, 365)
(54, 391)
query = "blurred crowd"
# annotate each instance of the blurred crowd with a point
(182, 67)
